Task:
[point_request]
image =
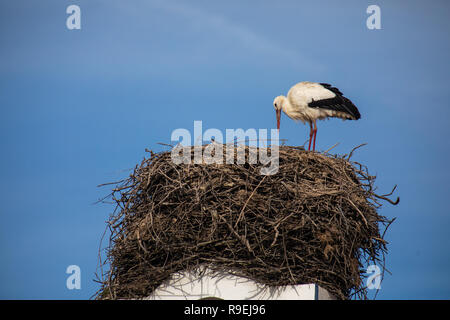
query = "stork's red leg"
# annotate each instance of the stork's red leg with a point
(310, 135)
(315, 134)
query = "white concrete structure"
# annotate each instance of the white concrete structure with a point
(194, 286)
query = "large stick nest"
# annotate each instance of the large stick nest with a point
(315, 221)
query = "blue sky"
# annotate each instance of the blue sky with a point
(79, 107)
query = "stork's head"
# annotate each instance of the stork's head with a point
(278, 105)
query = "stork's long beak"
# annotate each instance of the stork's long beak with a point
(278, 118)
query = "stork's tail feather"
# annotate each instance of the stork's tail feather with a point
(337, 103)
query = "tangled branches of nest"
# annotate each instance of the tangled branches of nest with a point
(315, 221)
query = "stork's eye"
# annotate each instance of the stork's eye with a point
(275, 105)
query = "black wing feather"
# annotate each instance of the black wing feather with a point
(331, 88)
(338, 103)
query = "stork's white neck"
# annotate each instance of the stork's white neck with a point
(286, 106)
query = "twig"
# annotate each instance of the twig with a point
(245, 204)
(357, 147)
(336, 144)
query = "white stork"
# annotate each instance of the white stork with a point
(309, 101)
